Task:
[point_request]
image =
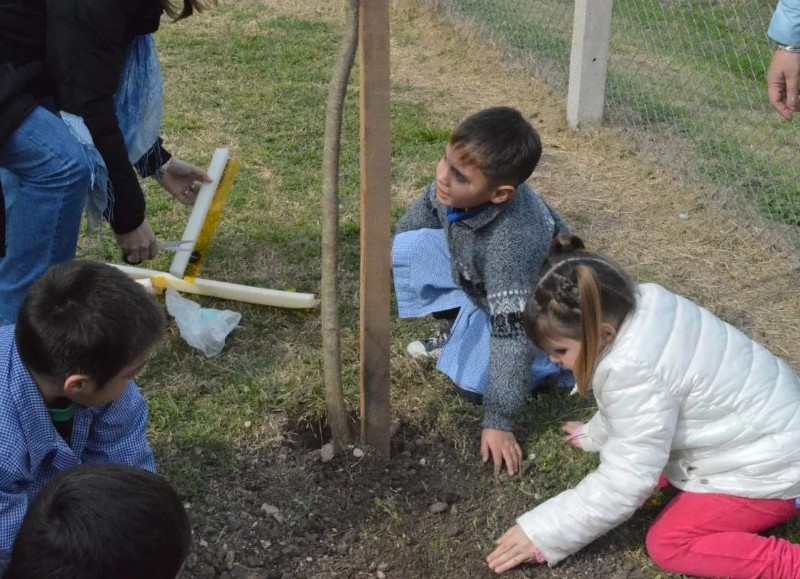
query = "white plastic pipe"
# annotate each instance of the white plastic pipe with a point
(222, 289)
(199, 211)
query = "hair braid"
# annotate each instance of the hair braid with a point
(576, 294)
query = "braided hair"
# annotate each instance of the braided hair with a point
(577, 292)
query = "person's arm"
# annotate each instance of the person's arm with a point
(86, 47)
(595, 433)
(512, 265)
(510, 355)
(422, 213)
(784, 28)
(642, 417)
(155, 158)
(118, 433)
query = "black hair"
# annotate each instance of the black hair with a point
(501, 143)
(102, 521)
(83, 317)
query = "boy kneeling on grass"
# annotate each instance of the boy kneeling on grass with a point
(67, 394)
(468, 251)
(102, 522)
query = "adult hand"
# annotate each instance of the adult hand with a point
(572, 432)
(182, 180)
(502, 447)
(782, 82)
(138, 245)
(513, 548)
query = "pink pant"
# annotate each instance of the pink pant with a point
(713, 535)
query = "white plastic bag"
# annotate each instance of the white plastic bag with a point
(202, 328)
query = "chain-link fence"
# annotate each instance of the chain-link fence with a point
(685, 83)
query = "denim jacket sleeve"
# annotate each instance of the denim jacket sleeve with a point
(119, 433)
(785, 24)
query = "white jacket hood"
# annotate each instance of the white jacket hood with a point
(681, 392)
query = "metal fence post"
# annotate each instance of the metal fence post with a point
(588, 62)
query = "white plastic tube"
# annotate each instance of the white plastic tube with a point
(205, 196)
(222, 289)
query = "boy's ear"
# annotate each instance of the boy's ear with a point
(502, 194)
(607, 333)
(77, 384)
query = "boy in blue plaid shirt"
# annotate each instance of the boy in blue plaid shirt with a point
(67, 394)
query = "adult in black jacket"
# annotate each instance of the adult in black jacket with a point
(67, 55)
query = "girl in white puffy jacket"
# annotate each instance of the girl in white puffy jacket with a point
(681, 393)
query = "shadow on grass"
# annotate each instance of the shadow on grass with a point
(191, 466)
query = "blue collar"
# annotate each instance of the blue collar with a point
(454, 215)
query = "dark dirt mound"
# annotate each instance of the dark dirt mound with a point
(286, 513)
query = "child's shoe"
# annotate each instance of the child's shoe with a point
(432, 347)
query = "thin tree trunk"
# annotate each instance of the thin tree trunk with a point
(331, 343)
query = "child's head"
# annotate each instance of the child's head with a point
(102, 521)
(577, 306)
(489, 154)
(86, 328)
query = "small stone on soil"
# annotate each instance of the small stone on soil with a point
(230, 557)
(327, 453)
(438, 507)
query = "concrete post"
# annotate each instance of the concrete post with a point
(588, 62)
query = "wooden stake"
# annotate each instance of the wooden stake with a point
(375, 224)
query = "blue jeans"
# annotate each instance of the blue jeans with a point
(45, 179)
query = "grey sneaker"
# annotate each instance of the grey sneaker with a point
(432, 347)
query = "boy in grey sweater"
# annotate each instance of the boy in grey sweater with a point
(473, 243)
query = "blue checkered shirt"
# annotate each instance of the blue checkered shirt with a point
(31, 451)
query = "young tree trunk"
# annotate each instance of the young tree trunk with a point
(331, 347)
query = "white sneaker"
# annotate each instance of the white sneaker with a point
(432, 347)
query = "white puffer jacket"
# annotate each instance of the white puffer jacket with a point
(681, 392)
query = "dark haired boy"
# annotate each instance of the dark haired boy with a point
(468, 251)
(67, 394)
(101, 522)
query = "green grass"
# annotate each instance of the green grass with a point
(255, 81)
(687, 74)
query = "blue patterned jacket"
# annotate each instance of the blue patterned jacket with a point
(31, 451)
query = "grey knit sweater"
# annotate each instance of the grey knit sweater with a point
(496, 258)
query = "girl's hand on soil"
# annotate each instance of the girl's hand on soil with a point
(573, 431)
(501, 446)
(513, 548)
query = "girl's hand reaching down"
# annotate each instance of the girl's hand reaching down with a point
(573, 431)
(513, 548)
